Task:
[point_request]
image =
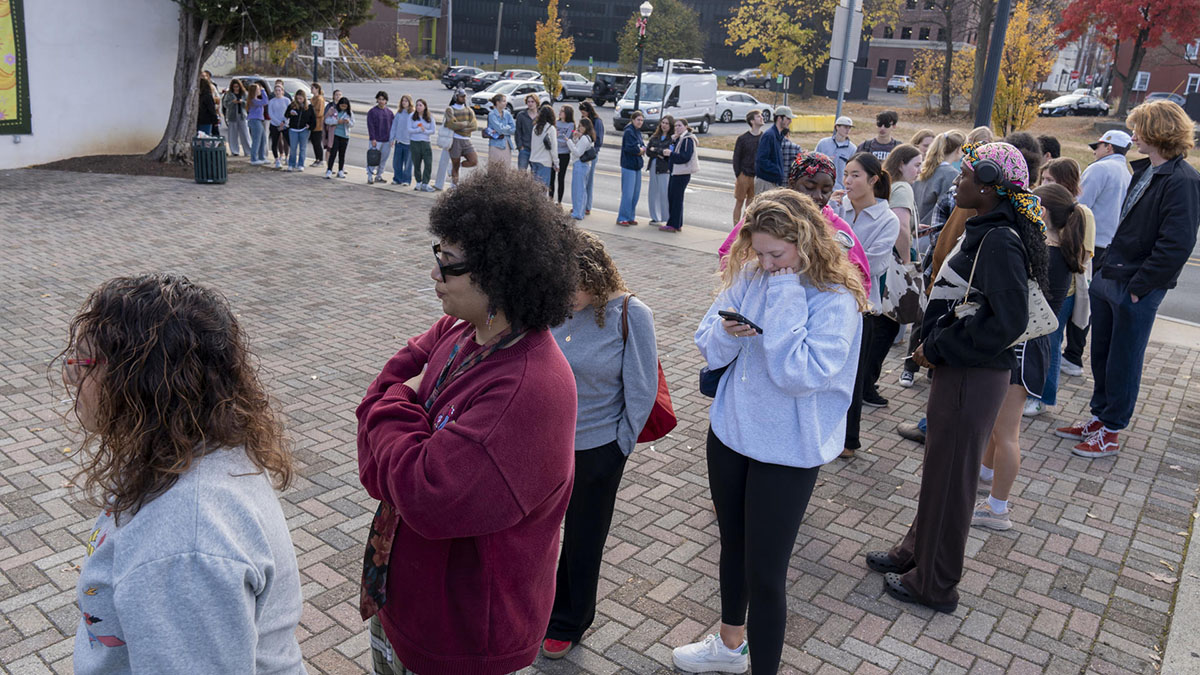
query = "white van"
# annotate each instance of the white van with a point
(690, 93)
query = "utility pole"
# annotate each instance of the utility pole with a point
(496, 51)
(987, 95)
(449, 32)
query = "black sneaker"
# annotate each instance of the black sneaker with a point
(873, 399)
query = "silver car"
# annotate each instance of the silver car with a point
(515, 90)
(574, 86)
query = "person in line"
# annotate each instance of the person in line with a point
(902, 166)
(420, 128)
(341, 120)
(609, 342)
(277, 111)
(564, 127)
(460, 120)
(769, 170)
(788, 149)
(882, 145)
(1051, 148)
(301, 121)
(206, 113)
(544, 141)
(937, 172)
(256, 109)
(778, 416)
(633, 148)
(865, 207)
(445, 141)
(1156, 234)
(838, 147)
(379, 130)
(1064, 171)
(466, 438)
(922, 140)
(659, 167)
(586, 109)
(400, 139)
(327, 133)
(524, 131)
(190, 566)
(214, 95)
(499, 131)
(745, 153)
(1104, 184)
(968, 343)
(581, 144)
(233, 106)
(317, 138)
(685, 161)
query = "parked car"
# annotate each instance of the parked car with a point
(515, 90)
(610, 86)
(900, 83)
(1073, 104)
(732, 106)
(1084, 91)
(750, 77)
(574, 86)
(1166, 96)
(483, 79)
(456, 75)
(689, 94)
(519, 74)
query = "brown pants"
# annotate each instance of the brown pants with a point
(743, 194)
(963, 404)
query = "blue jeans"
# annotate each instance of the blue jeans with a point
(541, 172)
(591, 182)
(579, 182)
(402, 163)
(523, 159)
(299, 147)
(206, 128)
(258, 141)
(631, 189)
(1050, 389)
(1120, 331)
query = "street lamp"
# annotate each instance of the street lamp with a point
(646, 10)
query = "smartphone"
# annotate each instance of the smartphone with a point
(734, 316)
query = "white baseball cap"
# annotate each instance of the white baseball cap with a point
(1113, 137)
(784, 111)
(843, 121)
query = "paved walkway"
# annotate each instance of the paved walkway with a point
(331, 277)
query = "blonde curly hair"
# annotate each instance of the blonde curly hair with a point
(598, 274)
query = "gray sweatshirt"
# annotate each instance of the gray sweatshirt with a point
(202, 579)
(616, 382)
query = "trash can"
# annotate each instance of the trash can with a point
(208, 157)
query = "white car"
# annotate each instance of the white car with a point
(515, 90)
(733, 106)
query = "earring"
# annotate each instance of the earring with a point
(491, 315)
(981, 190)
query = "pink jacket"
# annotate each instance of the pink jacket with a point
(856, 253)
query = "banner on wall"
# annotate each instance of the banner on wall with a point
(14, 70)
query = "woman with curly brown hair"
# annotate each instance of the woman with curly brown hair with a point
(609, 342)
(467, 440)
(190, 567)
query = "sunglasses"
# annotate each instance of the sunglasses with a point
(448, 270)
(885, 125)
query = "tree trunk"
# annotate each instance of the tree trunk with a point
(1112, 70)
(195, 46)
(948, 61)
(1128, 80)
(808, 82)
(987, 13)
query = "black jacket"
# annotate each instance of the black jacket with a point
(301, 119)
(1000, 288)
(654, 150)
(745, 150)
(207, 113)
(1155, 239)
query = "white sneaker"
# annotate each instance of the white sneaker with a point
(329, 173)
(1033, 407)
(341, 174)
(711, 655)
(906, 378)
(1067, 368)
(278, 164)
(300, 168)
(984, 516)
(289, 169)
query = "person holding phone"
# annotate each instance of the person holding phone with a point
(779, 413)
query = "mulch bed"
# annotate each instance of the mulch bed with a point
(129, 165)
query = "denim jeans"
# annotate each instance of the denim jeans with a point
(258, 141)
(299, 147)
(385, 149)
(541, 172)
(206, 128)
(402, 163)
(579, 180)
(631, 189)
(1050, 389)
(1120, 331)
(659, 209)
(591, 182)
(523, 159)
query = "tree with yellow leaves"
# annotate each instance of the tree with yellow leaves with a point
(553, 48)
(1028, 58)
(927, 74)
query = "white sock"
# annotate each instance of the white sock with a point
(736, 650)
(985, 473)
(998, 506)
(1109, 431)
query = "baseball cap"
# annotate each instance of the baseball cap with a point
(1113, 137)
(843, 121)
(784, 111)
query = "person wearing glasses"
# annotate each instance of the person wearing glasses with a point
(467, 439)
(882, 145)
(190, 566)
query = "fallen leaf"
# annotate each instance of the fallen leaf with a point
(1164, 578)
(1166, 564)
(36, 429)
(45, 295)
(71, 568)
(1177, 467)
(1092, 515)
(66, 451)
(67, 484)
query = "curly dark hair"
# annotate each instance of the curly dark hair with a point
(598, 274)
(175, 380)
(520, 247)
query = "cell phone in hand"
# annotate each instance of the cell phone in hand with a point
(734, 316)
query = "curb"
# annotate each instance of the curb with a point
(1181, 656)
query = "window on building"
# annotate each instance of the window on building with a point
(941, 36)
(924, 34)
(906, 33)
(901, 66)
(1193, 84)
(888, 32)
(881, 71)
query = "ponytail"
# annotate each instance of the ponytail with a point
(1068, 220)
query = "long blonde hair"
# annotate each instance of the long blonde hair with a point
(944, 145)
(794, 217)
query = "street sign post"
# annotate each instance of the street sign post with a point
(843, 48)
(318, 38)
(317, 41)
(332, 49)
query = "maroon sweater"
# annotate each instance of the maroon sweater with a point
(480, 483)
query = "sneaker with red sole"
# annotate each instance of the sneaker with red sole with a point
(1102, 443)
(556, 649)
(1080, 431)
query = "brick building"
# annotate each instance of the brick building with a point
(921, 25)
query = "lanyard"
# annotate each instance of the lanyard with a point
(505, 338)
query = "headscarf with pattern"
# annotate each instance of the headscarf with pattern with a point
(809, 164)
(1012, 165)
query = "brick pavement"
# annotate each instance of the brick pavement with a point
(331, 278)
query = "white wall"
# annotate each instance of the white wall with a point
(100, 78)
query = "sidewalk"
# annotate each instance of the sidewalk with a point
(332, 283)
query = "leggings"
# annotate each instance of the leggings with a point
(339, 151)
(318, 148)
(854, 414)
(759, 509)
(279, 142)
(561, 173)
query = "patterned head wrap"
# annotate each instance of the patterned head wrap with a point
(1012, 165)
(809, 164)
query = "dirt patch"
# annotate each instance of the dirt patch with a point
(128, 165)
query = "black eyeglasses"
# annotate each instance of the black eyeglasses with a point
(885, 125)
(448, 270)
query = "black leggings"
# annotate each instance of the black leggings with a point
(563, 160)
(883, 335)
(279, 142)
(759, 510)
(339, 151)
(854, 414)
(317, 145)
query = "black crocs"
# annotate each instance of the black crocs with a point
(893, 586)
(881, 562)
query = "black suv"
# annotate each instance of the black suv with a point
(456, 75)
(610, 87)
